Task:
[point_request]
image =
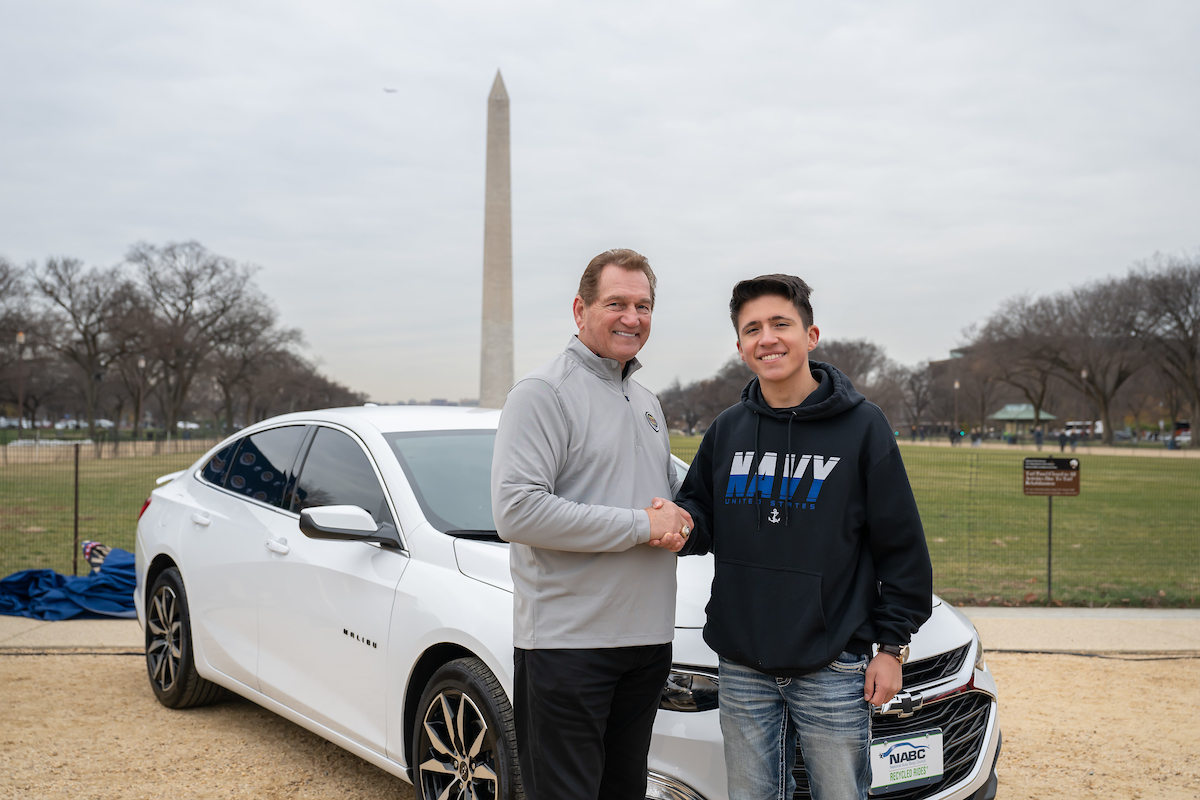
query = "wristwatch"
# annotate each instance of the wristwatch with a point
(899, 651)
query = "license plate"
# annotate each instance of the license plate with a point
(900, 762)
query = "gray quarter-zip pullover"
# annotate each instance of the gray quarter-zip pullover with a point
(580, 452)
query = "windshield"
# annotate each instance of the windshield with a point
(450, 473)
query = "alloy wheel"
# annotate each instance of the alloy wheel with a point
(164, 646)
(459, 749)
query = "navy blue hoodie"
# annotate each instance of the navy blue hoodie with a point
(816, 536)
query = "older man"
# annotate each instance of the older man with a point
(581, 467)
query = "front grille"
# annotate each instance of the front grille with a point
(930, 670)
(963, 719)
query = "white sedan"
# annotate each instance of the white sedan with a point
(341, 569)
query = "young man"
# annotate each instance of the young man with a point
(800, 494)
(581, 464)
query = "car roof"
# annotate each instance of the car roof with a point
(394, 419)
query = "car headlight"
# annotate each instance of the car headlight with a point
(689, 689)
(980, 662)
(660, 787)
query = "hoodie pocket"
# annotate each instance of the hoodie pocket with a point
(767, 617)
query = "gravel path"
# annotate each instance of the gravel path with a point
(87, 726)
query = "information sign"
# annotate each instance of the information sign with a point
(1052, 477)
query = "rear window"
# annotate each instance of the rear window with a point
(216, 469)
(262, 467)
(450, 473)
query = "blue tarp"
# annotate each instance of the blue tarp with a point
(47, 595)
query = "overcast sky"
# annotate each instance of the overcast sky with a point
(916, 162)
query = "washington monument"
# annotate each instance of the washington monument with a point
(496, 352)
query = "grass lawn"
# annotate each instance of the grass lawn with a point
(1132, 536)
(37, 503)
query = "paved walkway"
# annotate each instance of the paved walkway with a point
(89, 634)
(1099, 630)
(1090, 630)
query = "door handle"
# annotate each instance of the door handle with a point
(280, 546)
(200, 519)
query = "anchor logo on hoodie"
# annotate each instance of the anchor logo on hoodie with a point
(747, 483)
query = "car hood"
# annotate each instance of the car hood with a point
(694, 576)
(487, 562)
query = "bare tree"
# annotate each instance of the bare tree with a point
(1019, 351)
(1086, 337)
(14, 299)
(863, 362)
(86, 304)
(190, 291)
(1100, 349)
(1169, 319)
(679, 407)
(246, 342)
(290, 383)
(917, 385)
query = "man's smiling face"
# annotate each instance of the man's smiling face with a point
(617, 325)
(772, 339)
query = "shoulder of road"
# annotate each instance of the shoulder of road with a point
(1050, 630)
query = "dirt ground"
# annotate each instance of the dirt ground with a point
(87, 726)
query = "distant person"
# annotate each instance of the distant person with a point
(953, 437)
(820, 557)
(1062, 441)
(1037, 437)
(581, 468)
(1074, 441)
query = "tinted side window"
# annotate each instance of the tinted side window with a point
(216, 469)
(337, 473)
(262, 467)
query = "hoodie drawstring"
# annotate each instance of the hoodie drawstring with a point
(757, 487)
(787, 500)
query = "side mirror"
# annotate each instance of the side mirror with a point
(346, 523)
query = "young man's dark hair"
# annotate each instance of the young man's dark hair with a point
(800, 494)
(789, 286)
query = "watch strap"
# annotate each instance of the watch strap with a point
(898, 652)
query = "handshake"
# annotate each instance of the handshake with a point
(670, 525)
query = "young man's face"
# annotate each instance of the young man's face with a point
(617, 325)
(772, 339)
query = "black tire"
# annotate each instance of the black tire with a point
(477, 761)
(169, 661)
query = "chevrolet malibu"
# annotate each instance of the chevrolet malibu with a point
(341, 568)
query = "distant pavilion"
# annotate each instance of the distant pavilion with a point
(1018, 418)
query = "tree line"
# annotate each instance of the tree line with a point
(174, 332)
(1121, 350)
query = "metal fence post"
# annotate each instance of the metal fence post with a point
(75, 541)
(1049, 550)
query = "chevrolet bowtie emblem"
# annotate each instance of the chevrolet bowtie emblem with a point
(903, 705)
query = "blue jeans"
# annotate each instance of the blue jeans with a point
(762, 716)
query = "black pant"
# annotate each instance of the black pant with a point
(584, 719)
